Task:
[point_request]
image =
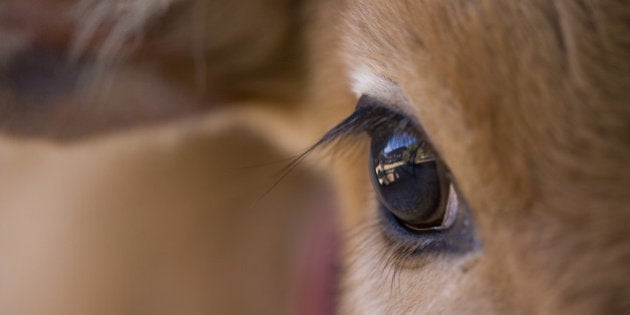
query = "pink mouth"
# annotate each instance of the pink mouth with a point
(317, 265)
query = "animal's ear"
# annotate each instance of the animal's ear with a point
(118, 55)
(229, 49)
(220, 47)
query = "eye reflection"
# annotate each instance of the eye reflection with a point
(406, 175)
(400, 150)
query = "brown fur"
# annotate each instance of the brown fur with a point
(512, 94)
(525, 101)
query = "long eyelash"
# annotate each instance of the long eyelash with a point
(363, 119)
(368, 116)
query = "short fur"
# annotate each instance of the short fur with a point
(114, 198)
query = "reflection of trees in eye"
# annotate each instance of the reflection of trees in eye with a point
(387, 173)
(399, 157)
(389, 168)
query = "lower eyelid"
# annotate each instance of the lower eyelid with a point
(459, 239)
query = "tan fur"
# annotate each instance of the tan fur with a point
(511, 94)
(525, 101)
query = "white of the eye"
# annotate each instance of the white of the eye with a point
(450, 213)
(452, 204)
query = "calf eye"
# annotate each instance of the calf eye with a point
(419, 207)
(409, 179)
(412, 184)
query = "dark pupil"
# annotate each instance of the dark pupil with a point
(405, 175)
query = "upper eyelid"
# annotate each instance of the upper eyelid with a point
(356, 123)
(368, 113)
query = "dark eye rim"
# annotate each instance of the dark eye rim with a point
(459, 238)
